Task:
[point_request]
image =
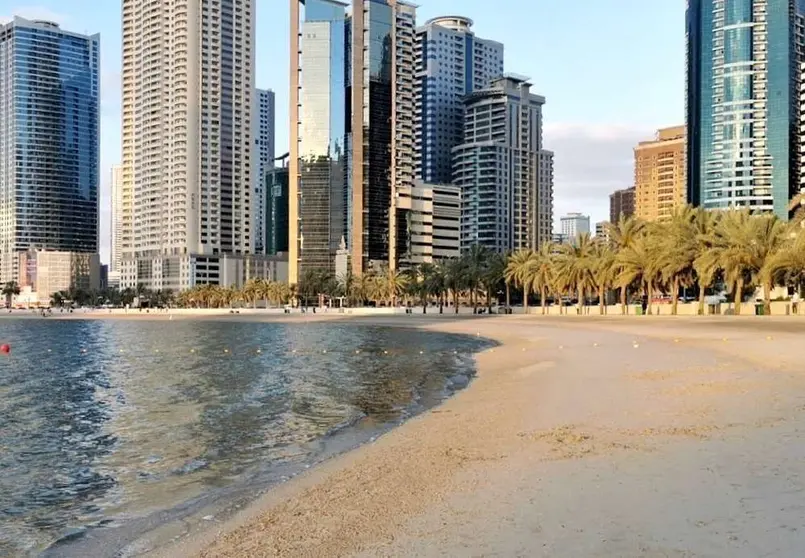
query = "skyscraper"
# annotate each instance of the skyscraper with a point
(351, 145)
(264, 158)
(116, 245)
(450, 63)
(660, 175)
(502, 170)
(49, 141)
(188, 91)
(742, 102)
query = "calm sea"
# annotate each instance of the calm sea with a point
(109, 429)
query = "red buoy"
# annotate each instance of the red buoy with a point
(5, 348)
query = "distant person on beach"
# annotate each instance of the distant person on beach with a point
(644, 304)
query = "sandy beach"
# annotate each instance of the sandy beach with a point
(579, 437)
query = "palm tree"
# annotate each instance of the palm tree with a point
(492, 276)
(621, 236)
(636, 265)
(10, 290)
(576, 263)
(541, 273)
(475, 262)
(456, 279)
(604, 270)
(518, 272)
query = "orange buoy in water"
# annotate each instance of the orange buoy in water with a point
(5, 348)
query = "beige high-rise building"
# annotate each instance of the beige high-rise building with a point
(188, 85)
(116, 252)
(660, 174)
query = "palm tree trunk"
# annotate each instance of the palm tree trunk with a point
(624, 309)
(650, 293)
(543, 294)
(601, 302)
(488, 300)
(581, 300)
(455, 299)
(701, 300)
(767, 298)
(739, 289)
(674, 295)
(525, 298)
(508, 297)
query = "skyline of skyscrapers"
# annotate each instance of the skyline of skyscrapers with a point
(743, 103)
(50, 149)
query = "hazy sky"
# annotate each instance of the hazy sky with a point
(612, 72)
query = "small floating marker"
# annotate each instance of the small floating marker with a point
(357, 351)
(50, 351)
(294, 351)
(259, 351)
(325, 351)
(455, 352)
(5, 348)
(421, 352)
(385, 352)
(226, 350)
(192, 350)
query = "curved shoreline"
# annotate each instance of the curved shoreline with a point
(551, 448)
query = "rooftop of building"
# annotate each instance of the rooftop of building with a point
(665, 135)
(18, 21)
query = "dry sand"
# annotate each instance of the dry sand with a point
(580, 437)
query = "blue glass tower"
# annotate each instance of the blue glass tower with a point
(742, 103)
(49, 144)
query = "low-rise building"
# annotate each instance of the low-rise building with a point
(42, 273)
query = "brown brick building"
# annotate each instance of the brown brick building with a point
(621, 203)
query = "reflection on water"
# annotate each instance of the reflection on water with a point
(102, 422)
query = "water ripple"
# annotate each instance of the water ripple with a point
(101, 422)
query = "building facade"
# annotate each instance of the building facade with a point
(276, 215)
(42, 273)
(352, 138)
(660, 175)
(504, 205)
(116, 220)
(264, 125)
(434, 222)
(188, 96)
(621, 204)
(574, 225)
(742, 97)
(602, 230)
(49, 152)
(450, 62)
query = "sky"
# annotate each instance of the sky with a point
(612, 72)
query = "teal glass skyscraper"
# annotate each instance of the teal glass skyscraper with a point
(742, 103)
(49, 144)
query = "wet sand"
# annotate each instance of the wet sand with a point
(580, 437)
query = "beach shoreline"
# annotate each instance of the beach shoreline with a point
(470, 475)
(562, 415)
